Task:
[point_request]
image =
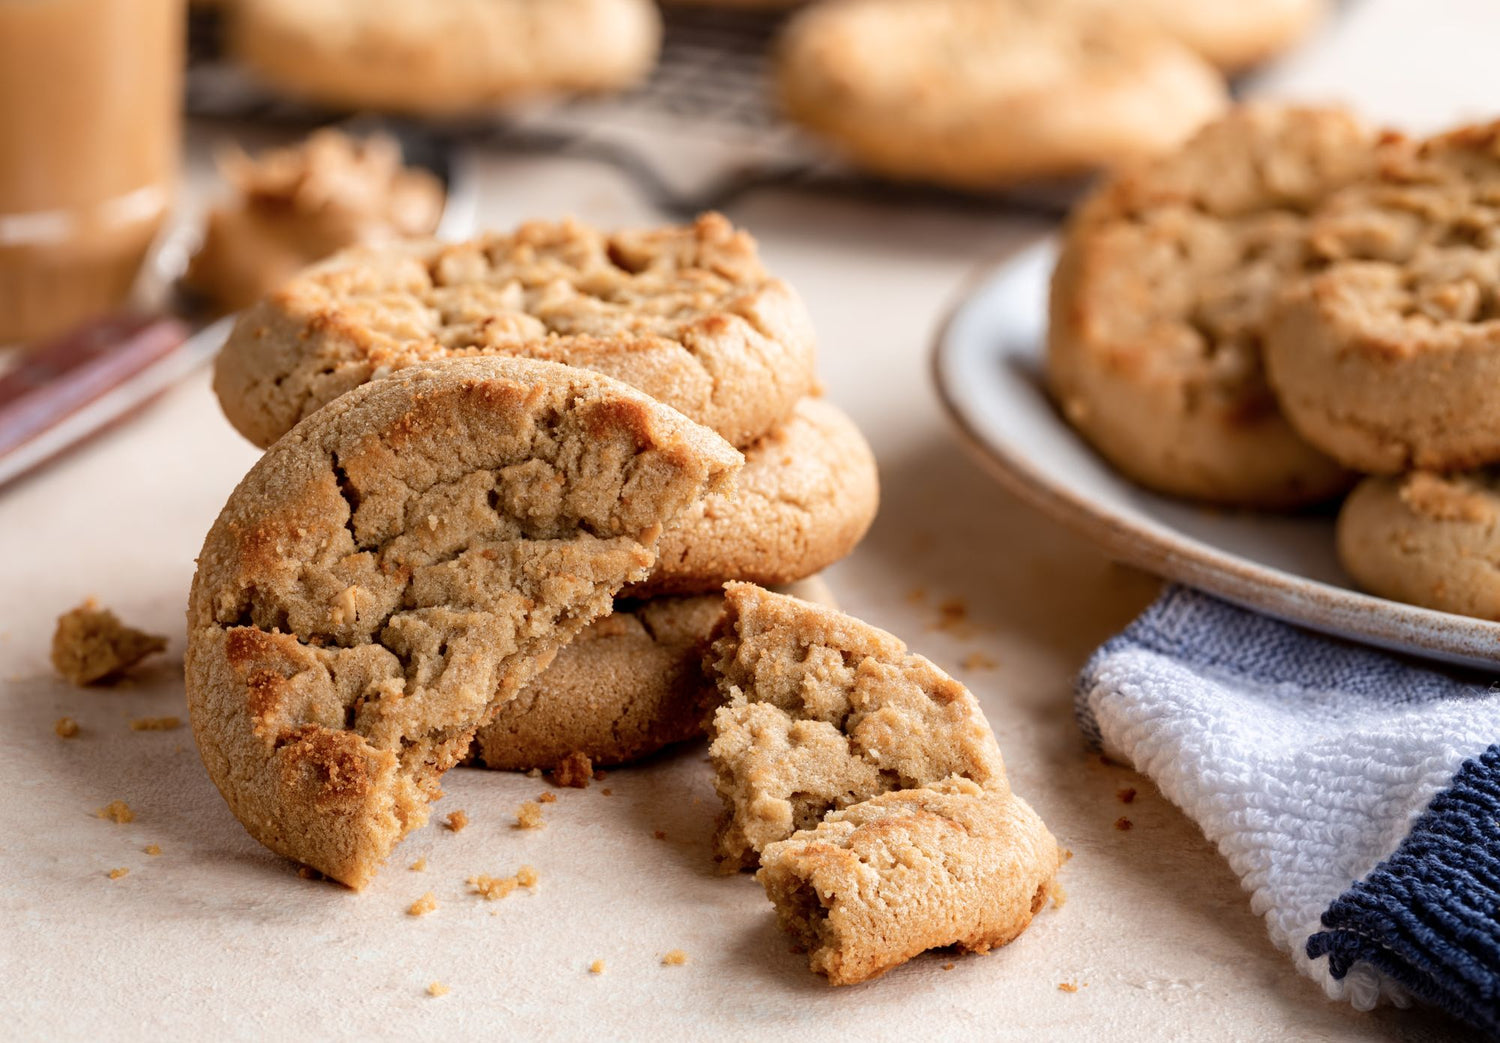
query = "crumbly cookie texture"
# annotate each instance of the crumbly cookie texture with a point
(1426, 539)
(393, 571)
(629, 685)
(443, 56)
(1161, 298)
(296, 205)
(1387, 356)
(685, 313)
(805, 498)
(821, 711)
(91, 645)
(879, 882)
(981, 93)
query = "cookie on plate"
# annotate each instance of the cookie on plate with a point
(443, 56)
(685, 313)
(979, 94)
(1161, 298)
(806, 496)
(398, 567)
(876, 883)
(1231, 33)
(821, 711)
(631, 684)
(1387, 356)
(1426, 539)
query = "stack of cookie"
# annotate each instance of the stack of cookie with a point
(1291, 300)
(686, 314)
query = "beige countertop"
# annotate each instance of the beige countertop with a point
(216, 935)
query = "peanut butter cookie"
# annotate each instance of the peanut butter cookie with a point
(1160, 303)
(1427, 539)
(397, 568)
(1231, 33)
(978, 94)
(687, 314)
(821, 711)
(876, 883)
(1387, 356)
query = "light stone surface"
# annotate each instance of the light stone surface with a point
(218, 936)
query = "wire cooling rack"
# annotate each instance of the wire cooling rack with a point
(700, 131)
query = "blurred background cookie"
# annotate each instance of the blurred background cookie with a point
(1231, 33)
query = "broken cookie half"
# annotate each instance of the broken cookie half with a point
(821, 711)
(398, 566)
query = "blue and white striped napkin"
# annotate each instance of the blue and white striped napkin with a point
(1355, 794)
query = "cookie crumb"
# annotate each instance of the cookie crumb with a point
(675, 958)
(977, 661)
(437, 988)
(155, 724)
(1122, 824)
(419, 866)
(529, 816)
(949, 966)
(952, 614)
(607, 792)
(916, 595)
(534, 773)
(65, 727)
(574, 771)
(153, 849)
(91, 645)
(660, 834)
(115, 874)
(526, 876)
(422, 906)
(600, 774)
(492, 888)
(1126, 795)
(116, 811)
(1059, 896)
(547, 798)
(1066, 986)
(456, 820)
(597, 967)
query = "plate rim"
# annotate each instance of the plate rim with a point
(1177, 556)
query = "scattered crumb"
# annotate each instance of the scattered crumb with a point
(547, 798)
(92, 645)
(600, 774)
(978, 661)
(65, 727)
(437, 988)
(1126, 795)
(457, 820)
(116, 811)
(115, 874)
(155, 724)
(1059, 896)
(491, 888)
(422, 906)
(916, 595)
(1066, 986)
(309, 873)
(526, 876)
(949, 966)
(660, 834)
(420, 865)
(607, 792)
(529, 816)
(1122, 824)
(574, 771)
(534, 773)
(951, 613)
(675, 958)
(153, 849)
(597, 967)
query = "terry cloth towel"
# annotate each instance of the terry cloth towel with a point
(1356, 794)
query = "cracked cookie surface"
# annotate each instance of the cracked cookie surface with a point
(879, 882)
(395, 569)
(686, 314)
(821, 711)
(804, 499)
(1162, 296)
(1387, 356)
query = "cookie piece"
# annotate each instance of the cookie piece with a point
(398, 567)
(982, 93)
(805, 498)
(1388, 356)
(443, 56)
(296, 205)
(92, 645)
(1230, 33)
(1162, 295)
(1427, 539)
(879, 882)
(631, 684)
(685, 313)
(821, 711)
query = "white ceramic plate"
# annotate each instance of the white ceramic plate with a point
(988, 362)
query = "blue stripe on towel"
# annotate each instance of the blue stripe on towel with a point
(1429, 916)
